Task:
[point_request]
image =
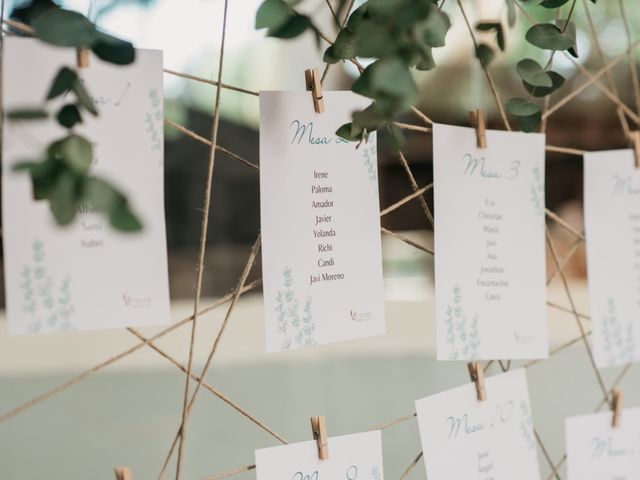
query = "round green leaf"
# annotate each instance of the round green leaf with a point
(521, 107)
(123, 219)
(74, 151)
(557, 81)
(62, 83)
(531, 72)
(530, 123)
(64, 28)
(63, 199)
(434, 29)
(296, 25)
(273, 14)
(69, 116)
(113, 50)
(485, 54)
(102, 196)
(553, 3)
(83, 96)
(548, 37)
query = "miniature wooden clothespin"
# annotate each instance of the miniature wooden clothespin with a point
(477, 375)
(477, 122)
(618, 397)
(319, 429)
(314, 84)
(82, 55)
(635, 140)
(123, 473)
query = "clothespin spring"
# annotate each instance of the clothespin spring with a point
(314, 84)
(319, 430)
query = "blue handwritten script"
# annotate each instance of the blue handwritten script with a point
(624, 185)
(351, 474)
(604, 447)
(465, 425)
(303, 134)
(479, 166)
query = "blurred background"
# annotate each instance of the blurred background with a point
(129, 413)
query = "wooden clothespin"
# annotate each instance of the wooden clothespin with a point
(319, 429)
(635, 140)
(314, 84)
(477, 375)
(477, 122)
(123, 473)
(82, 55)
(618, 397)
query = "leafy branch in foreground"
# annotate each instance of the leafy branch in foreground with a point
(398, 34)
(62, 176)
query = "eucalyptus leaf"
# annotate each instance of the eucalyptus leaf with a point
(532, 73)
(101, 195)
(69, 116)
(553, 3)
(113, 50)
(557, 81)
(569, 30)
(83, 96)
(27, 114)
(343, 48)
(63, 199)
(511, 13)
(497, 28)
(434, 29)
(548, 37)
(273, 14)
(528, 114)
(296, 25)
(74, 151)
(345, 131)
(64, 28)
(485, 54)
(398, 141)
(123, 219)
(62, 83)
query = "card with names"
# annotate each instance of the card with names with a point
(351, 457)
(612, 227)
(468, 439)
(320, 214)
(86, 275)
(489, 245)
(598, 451)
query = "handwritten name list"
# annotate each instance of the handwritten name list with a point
(472, 440)
(322, 263)
(612, 225)
(489, 245)
(86, 275)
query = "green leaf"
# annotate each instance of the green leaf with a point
(63, 199)
(113, 50)
(398, 142)
(497, 27)
(345, 131)
(123, 219)
(102, 196)
(295, 26)
(553, 3)
(273, 14)
(511, 13)
(532, 73)
(485, 54)
(69, 116)
(74, 151)
(83, 96)
(425, 61)
(343, 48)
(436, 26)
(548, 37)
(528, 114)
(387, 78)
(64, 28)
(62, 83)
(27, 114)
(557, 81)
(570, 32)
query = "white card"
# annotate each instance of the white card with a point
(597, 451)
(489, 245)
(321, 254)
(86, 275)
(466, 439)
(351, 457)
(612, 225)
